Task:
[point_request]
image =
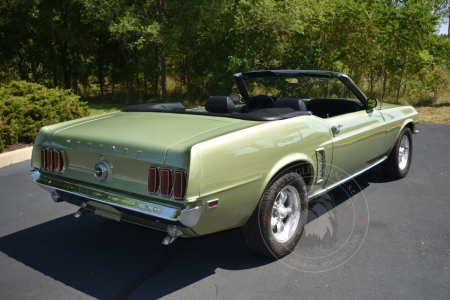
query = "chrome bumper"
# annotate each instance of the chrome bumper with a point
(187, 217)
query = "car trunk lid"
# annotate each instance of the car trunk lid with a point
(145, 135)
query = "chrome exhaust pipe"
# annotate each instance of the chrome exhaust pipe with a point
(172, 234)
(81, 211)
(55, 197)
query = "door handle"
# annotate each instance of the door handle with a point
(336, 129)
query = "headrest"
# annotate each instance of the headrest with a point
(294, 103)
(219, 104)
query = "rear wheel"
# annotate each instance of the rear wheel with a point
(399, 160)
(277, 223)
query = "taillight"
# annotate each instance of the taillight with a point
(59, 161)
(179, 189)
(166, 182)
(52, 160)
(153, 180)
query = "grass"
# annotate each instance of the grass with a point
(439, 114)
(103, 108)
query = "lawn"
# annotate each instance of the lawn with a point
(434, 114)
(103, 108)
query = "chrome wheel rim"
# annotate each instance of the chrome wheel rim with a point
(285, 213)
(403, 153)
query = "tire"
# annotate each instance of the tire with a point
(399, 160)
(277, 223)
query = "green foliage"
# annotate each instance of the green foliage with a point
(148, 49)
(26, 107)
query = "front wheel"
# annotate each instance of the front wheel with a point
(277, 223)
(399, 160)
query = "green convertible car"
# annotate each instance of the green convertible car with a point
(250, 160)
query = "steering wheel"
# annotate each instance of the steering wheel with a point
(258, 102)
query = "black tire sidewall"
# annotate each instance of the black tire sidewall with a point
(406, 132)
(390, 167)
(280, 249)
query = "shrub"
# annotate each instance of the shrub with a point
(26, 107)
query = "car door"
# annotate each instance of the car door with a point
(358, 141)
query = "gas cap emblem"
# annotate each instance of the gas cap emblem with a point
(101, 171)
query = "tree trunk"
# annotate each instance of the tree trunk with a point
(401, 76)
(156, 81)
(245, 43)
(163, 74)
(101, 78)
(65, 51)
(23, 72)
(136, 73)
(182, 64)
(160, 13)
(54, 65)
(145, 82)
(75, 84)
(188, 77)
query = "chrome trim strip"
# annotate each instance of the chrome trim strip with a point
(188, 217)
(64, 161)
(321, 164)
(336, 184)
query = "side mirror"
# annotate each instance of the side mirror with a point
(372, 103)
(236, 97)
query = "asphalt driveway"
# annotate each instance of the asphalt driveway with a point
(386, 240)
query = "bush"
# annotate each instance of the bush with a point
(26, 107)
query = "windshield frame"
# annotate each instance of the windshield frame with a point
(241, 78)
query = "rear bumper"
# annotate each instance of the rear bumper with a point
(155, 212)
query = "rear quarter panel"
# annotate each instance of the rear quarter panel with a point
(237, 167)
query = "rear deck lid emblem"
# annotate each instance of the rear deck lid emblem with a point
(101, 171)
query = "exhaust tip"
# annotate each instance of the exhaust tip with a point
(172, 234)
(55, 197)
(81, 211)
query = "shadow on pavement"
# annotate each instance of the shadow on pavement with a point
(107, 260)
(102, 258)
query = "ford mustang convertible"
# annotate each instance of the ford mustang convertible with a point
(250, 160)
